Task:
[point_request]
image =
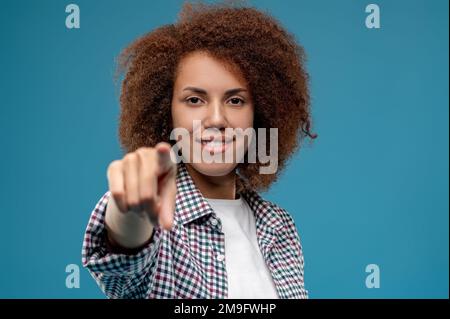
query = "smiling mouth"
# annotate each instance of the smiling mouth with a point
(215, 145)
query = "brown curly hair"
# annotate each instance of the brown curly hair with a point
(268, 56)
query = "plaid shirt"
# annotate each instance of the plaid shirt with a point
(189, 261)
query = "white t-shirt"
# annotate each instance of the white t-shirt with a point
(248, 274)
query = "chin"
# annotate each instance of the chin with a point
(214, 169)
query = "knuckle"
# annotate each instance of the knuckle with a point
(145, 152)
(114, 166)
(148, 176)
(130, 157)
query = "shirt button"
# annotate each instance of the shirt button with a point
(214, 221)
(220, 257)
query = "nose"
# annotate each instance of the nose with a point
(215, 116)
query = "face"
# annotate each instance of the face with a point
(215, 97)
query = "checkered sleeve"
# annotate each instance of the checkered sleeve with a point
(296, 242)
(118, 275)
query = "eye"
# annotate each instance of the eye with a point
(194, 100)
(236, 101)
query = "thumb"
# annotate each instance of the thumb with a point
(167, 188)
(167, 203)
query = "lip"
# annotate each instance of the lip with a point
(222, 139)
(215, 145)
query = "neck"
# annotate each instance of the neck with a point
(214, 187)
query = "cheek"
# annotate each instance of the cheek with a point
(243, 118)
(181, 116)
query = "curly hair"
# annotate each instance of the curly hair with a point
(272, 62)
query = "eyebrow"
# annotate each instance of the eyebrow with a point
(202, 91)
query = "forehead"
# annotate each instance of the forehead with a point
(202, 69)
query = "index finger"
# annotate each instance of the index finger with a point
(166, 159)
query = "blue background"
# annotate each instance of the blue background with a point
(373, 188)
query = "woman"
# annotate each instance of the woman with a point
(199, 229)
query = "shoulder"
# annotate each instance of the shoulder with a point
(289, 232)
(277, 212)
(281, 212)
(286, 218)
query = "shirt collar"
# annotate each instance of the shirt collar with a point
(191, 205)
